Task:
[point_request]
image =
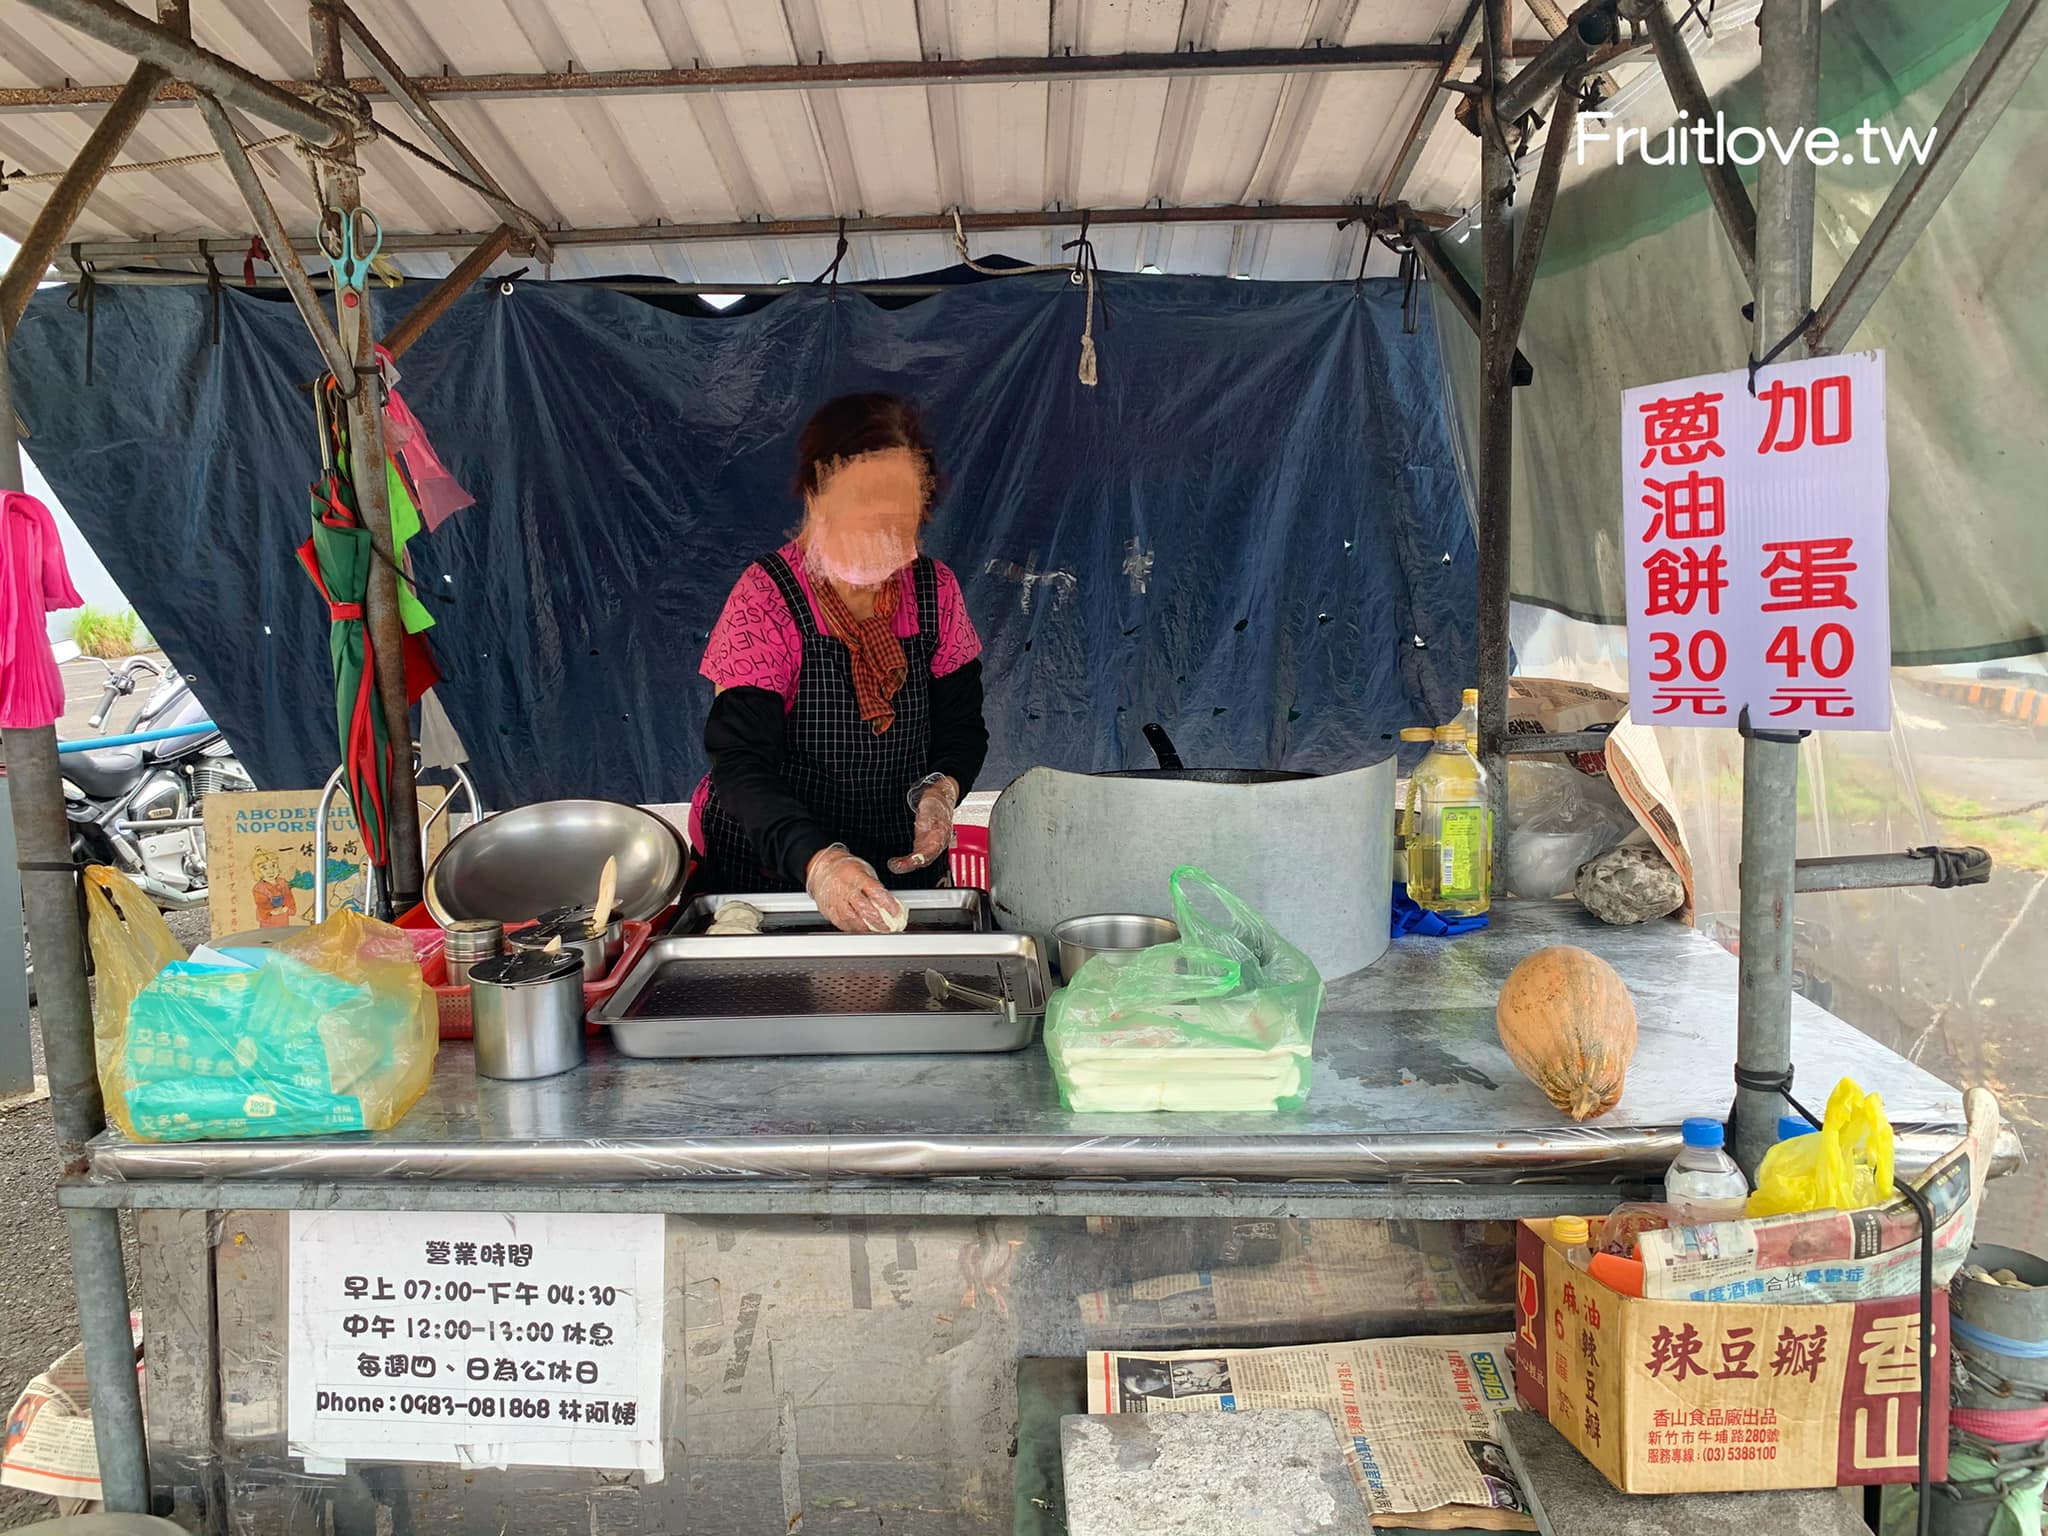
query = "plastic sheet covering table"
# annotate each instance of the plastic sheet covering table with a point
(1415, 1106)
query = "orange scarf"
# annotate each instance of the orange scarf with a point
(879, 665)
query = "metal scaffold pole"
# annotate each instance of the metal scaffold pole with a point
(49, 888)
(341, 197)
(1790, 32)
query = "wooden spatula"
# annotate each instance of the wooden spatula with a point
(607, 896)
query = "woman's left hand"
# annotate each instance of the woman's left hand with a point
(933, 832)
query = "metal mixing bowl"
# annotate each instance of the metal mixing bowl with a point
(521, 863)
(1081, 939)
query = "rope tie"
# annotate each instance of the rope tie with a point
(830, 276)
(83, 298)
(1086, 371)
(212, 288)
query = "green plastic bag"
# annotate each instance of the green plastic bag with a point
(1222, 1020)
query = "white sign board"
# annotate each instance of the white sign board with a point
(1755, 535)
(482, 1339)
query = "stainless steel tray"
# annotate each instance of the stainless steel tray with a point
(792, 912)
(825, 995)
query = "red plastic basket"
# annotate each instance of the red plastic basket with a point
(453, 1001)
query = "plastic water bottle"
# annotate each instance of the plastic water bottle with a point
(1790, 1126)
(1703, 1181)
(1576, 1238)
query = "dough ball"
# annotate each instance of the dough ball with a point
(897, 916)
(734, 918)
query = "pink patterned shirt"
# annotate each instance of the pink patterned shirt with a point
(756, 642)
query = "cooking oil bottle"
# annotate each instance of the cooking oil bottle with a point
(1449, 829)
(1468, 718)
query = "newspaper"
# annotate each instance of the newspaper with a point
(1337, 1271)
(49, 1447)
(1832, 1255)
(1419, 1417)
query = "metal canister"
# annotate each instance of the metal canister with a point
(526, 1011)
(468, 941)
(572, 926)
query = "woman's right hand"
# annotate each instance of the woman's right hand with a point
(850, 894)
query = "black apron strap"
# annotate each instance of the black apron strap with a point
(784, 576)
(924, 581)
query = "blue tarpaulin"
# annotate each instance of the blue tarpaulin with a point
(1251, 530)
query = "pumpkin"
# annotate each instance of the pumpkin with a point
(1569, 1026)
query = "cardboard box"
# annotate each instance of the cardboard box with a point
(1691, 1397)
(259, 855)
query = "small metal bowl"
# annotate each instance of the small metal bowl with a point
(1081, 939)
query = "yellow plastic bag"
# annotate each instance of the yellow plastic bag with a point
(332, 1031)
(1844, 1166)
(131, 943)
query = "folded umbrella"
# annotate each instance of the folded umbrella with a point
(337, 557)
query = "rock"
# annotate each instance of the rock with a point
(1630, 884)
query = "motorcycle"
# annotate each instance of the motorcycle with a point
(140, 808)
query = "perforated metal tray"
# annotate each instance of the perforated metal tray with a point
(827, 994)
(792, 912)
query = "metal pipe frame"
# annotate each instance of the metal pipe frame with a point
(445, 139)
(1790, 36)
(100, 1274)
(1553, 20)
(49, 888)
(826, 227)
(644, 286)
(1460, 293)
(1590, 29)
(1973, 108)
(1882, 871)
(1427, 116)
(68, 199)
(1724, 182)
(341, 194)
(444, 293)
(823, 75)
(111, 23)
(1496, 420)
(1542, 204)
(283, 255)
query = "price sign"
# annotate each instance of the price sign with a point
(1755, 539)
(483, 1339)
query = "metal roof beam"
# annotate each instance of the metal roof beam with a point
(1463, 41)
(283, 250)
(1724, 182)
(816, 228)
(399, 85)
(111, 23)
(773, 77)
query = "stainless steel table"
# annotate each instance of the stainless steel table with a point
(1415, 1107)
(859, 1250)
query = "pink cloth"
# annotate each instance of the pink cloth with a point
(756, 642)
(33, 581)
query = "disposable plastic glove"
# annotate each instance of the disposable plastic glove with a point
(850, 894)
(932, 835)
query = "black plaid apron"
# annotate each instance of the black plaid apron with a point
(855, 783)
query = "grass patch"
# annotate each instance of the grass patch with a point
(108, 634)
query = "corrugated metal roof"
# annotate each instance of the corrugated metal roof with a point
(594, 160)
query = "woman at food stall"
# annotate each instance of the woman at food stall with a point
(847, 719)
